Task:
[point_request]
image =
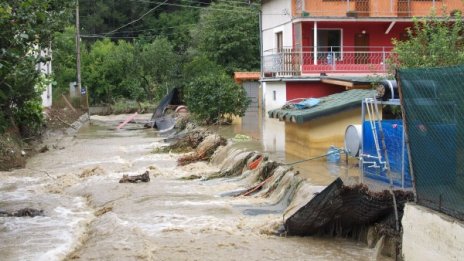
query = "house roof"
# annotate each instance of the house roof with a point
(328, 105)
(353, 82)
(246, 76)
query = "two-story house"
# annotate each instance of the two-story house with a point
(314, 48)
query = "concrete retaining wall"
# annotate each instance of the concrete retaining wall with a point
(430, 235)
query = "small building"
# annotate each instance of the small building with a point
(324, 123)
(251, 84)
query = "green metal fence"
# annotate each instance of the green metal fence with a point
(433, 106)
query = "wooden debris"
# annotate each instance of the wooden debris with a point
(43, 149)
(253, 189)
(103, 211)
(24, 212)
(131, 117)
(68, 103)
(69, 125)
(339, 210)
(145, 177)
(203, 151)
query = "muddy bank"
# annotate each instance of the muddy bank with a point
(14, 150)
(12, 154)
(89, 215)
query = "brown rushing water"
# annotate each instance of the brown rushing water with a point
(90, 216)
(289, 142)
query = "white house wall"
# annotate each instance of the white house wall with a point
(46, 69)
(274, 94)
(429, 235)
(276, 17)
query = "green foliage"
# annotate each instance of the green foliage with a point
(26, 27)
(156, 64)
(198, 66)
(29, 118)
(64, 60)
(97, 72)
(139, 71)
(213, 96)
(231, 39)
(171, 21)
(176, 26)
(131, 106)
(433, 42)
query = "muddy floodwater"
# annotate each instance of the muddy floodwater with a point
(88, 215)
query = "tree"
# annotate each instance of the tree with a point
(433, 42)
(140, 70)
(228, 34)
(26, 28)
(213, 96)
(64, 60)
(156, 67)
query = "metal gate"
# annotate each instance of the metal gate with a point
(252, 89)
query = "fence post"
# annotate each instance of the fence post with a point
(384, 58)
(333, 58)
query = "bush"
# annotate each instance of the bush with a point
(433, 42)
(214, 96)
(29, 118)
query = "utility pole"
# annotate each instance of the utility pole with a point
(78, 60)
(78, 49)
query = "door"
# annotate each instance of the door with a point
(361, 48)
(252, 90)
(362, 7)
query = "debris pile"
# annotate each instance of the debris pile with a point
(204, 150)
(341, 210)
(185, 142)
(145, 177)
(24, 212)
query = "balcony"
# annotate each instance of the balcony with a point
(291, 62)
(375, 8)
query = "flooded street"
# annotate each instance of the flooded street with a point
(88, 215)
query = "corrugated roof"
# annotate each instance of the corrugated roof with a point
(328, 105)
(242, 76)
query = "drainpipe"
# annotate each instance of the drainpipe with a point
(263, 84)
(315, 43)
(261, 40)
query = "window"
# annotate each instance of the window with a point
(274, 95)
(279, 41)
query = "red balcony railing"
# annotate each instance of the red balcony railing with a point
(289, 62)
(376, 8)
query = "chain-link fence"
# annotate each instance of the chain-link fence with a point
(433, 104)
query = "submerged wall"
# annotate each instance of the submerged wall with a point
(429, 235)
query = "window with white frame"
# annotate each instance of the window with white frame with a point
(279, 41)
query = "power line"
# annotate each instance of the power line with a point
(133, 21)
(226, 2)
(233, 10)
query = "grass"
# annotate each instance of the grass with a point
(130, 106)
